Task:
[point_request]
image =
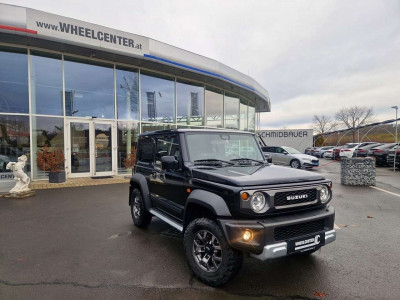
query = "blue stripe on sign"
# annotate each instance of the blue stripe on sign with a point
(199, 70)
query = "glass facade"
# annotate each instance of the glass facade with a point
(214, 107)
(57, 101)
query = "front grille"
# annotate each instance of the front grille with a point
(314, 161)
(291, 231)
(281, 198)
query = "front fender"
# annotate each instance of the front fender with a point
(139, 181)
(210, 201)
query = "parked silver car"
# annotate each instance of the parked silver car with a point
(291, 157)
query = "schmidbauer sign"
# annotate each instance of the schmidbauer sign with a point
(299, 139)
(83, 33)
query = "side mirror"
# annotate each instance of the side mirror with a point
(169, 163)
(286, 153)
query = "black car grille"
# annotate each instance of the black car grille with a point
(314, 161)
(291, 231)
(281, 198)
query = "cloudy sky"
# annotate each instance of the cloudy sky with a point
(314, 57)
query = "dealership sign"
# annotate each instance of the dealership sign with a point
(299, 139)
(77, 32)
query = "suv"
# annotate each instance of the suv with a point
(215, 187)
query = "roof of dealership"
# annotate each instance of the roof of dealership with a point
(33, 28)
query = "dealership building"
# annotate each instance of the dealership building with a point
(90, 90)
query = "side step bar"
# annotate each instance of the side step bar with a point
(161, 216)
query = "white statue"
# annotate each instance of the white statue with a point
(20, 177)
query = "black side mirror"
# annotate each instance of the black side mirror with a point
(169, 163)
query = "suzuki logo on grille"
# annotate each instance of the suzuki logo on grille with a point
(297, 197)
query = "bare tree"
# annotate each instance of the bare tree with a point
(322, 124)
(355, 116)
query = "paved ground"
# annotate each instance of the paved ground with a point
(75, 182)
(80, 243)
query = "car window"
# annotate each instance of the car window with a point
(145, 150)
(167, 146)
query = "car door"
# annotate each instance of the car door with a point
(167, 186)
(281, 156)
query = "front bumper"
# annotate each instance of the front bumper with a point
(281, 249)
(273, 234)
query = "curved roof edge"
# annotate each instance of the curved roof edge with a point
(38, 24)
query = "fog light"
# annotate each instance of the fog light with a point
(247, 236)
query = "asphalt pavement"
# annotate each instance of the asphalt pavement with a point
(80, 243)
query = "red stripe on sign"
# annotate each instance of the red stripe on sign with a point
(18, 29)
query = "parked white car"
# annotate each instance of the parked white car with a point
(288, 156)
(349, 148)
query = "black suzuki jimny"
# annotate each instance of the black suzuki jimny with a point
(216, 188)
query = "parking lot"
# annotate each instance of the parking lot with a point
(81, 243)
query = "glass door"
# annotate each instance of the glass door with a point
(91, 150)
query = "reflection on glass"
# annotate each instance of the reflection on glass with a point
(103, 147)
(231, 111)
(14, 81)
(190, 104)
(47, 132)
(80, 155)
(252, 116)
(127, 141)
(89, 90)
(214, 103)
(153, 127)
(14, 141)
(127, 94)
(46, 84)
(243, 114)
(158, 98)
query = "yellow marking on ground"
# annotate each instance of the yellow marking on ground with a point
(382, 190)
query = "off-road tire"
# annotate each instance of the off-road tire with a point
(232, 259)
(141, 218)
(292, 164)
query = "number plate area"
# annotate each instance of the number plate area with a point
(306, 243)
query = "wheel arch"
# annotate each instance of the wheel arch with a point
(202, 203)
(139, 181)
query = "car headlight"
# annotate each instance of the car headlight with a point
(324, 194)
(257, 201)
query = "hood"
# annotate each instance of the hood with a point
(302, 156)
(254, 175)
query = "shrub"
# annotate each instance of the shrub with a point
(49, 160)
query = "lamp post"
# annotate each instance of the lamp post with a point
(395, 152)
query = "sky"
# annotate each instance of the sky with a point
(313, 57)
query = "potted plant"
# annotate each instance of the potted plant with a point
(52, 161)
(130, 159)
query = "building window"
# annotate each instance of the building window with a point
(46, 84)
(127, 89)
(46, 132)
(214, 103)
(158, 98)
(243, 114)
(146, 127)
(252, 117)
(127, 142)
(89, 90)
(14, 142)
(14, 96)
(231, 107)
(190, 106)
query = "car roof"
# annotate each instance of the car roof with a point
(167, 131)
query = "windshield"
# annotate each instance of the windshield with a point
(291, 150)
(222, 146)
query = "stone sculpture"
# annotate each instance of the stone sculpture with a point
(23, 180)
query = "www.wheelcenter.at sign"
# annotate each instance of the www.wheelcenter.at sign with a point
(82, 33)
(299, 139)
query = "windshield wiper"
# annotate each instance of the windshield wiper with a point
(212, 162)
(248, 159)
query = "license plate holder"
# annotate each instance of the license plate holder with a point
(306, 243)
